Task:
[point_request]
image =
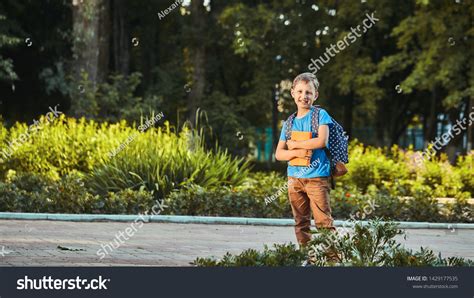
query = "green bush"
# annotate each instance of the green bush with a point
(370, 166)
(397, 171)
(423, 209)
(159, 158)
(373, 244)
(247, 200)
(126, 201)
(442, 179)
(195, 181)
(63, 146)
(460, 211)
(70, 194)
(35, 193)
(162, 160)
(370, 245)
(465, 168)
(113, 100)
(280, 255)
(14, 199)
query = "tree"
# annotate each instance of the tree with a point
(91, 30)
(7, 72)
(435, 57)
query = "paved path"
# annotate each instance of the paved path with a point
(35, 243)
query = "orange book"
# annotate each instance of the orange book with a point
(300, 136)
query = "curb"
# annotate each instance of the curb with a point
(210, 220)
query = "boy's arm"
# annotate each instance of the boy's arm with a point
(315, 143)
(282, 153)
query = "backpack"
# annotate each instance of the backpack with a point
(337, 152)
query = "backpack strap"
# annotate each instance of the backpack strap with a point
(314, 122)
(315, 119)
(289, 124)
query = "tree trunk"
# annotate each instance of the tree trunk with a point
(453, 144)
(400, 122)
(121, 40)
(381, 123)
(431, 123)
(104, 40)
(86, 38)
(90, 50)
(198, 58)
(470, 130)
(348, 114)
(275, 137)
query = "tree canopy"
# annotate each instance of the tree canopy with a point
(231, 63)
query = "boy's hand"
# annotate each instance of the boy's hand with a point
(303, 153)
(291, 144)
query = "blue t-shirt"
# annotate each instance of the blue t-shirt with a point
(319, 165)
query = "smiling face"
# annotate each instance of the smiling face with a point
(304, 94)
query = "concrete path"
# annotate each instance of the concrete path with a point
(59, 243)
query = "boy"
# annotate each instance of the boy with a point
(308, 187)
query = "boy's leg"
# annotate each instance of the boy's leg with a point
(300, 207)
(318, 192)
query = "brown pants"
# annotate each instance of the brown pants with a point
(306, 195)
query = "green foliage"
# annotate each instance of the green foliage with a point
(374, 203)
(436, 62)
(116, 159)
(162, 160)
(465, 166)
(396, 171)
(370, 166)
(460, 211)
(126, 201)
(158, 158)
(6, 64)
(381, 204)
(113, 101)
(279, 255)
(60, 147)
(423, 209)
(34, 193)
(21, 194)
(371, 245)
(410, 46)
(55, 79)
(247, 200)
(441, 178)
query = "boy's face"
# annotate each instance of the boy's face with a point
(304, 94)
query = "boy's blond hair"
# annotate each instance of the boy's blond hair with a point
(307, 77)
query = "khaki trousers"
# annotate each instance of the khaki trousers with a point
(306, 195)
